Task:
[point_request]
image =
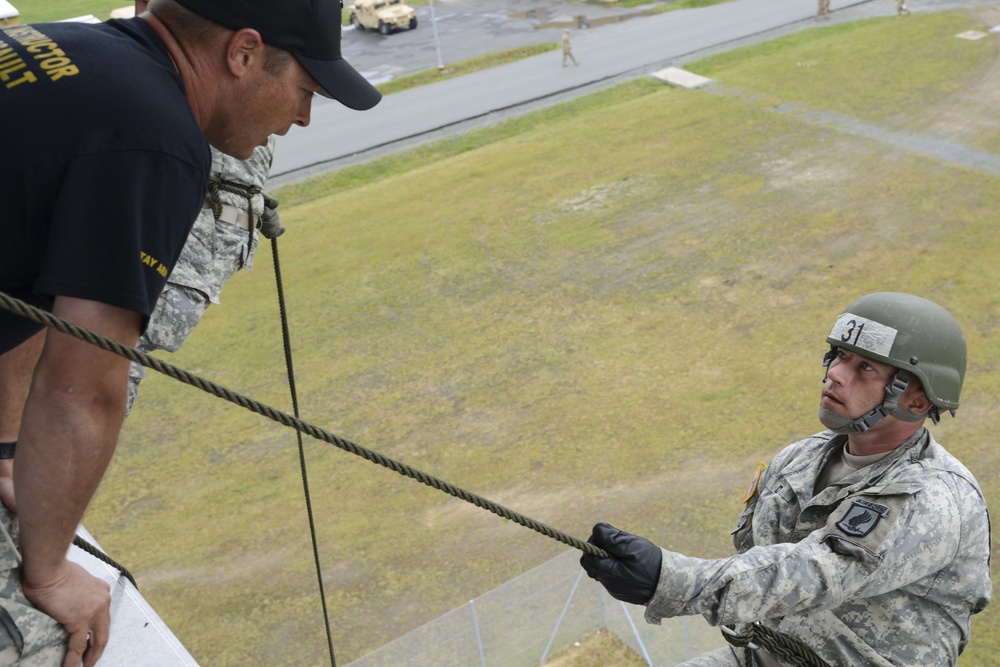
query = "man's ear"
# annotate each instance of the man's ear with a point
(244, 48)
(917, 403)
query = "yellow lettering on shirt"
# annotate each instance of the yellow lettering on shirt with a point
(153, 263)
(44, 48)
(53, 60)
(11, 63)
(27, 77)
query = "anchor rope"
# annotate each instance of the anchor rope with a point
(287, 343)
(84, 545)
(754, 636)
(218, 184)
(40, 316)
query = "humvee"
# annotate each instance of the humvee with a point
(382, 15)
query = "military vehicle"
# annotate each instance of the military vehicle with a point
(382, 15)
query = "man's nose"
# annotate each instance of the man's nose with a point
(305, 113)
(837, 373)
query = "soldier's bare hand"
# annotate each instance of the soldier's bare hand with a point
(82, 604)
(7, 484)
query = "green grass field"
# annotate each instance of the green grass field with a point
(609, 310)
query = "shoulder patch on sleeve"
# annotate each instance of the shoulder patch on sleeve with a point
(862, 518)
(754, 481)
(860, 525)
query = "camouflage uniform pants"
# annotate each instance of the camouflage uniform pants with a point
(28, 638)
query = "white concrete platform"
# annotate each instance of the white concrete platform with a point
(139, 638)
(675, 76)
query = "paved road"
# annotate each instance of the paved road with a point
(468, 28)
(608, 54)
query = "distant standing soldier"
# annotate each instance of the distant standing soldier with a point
(567, 49)
(823, 11)
(901, 8)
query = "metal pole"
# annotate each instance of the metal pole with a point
(635, 631)
(479, 639)
(437, 42)
(687, 638)
(561, 617)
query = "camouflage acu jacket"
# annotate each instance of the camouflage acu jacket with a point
(883, 568)
(215, 250)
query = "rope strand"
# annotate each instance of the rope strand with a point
(755, 636)
(752, 636)
(287, 341)
(103, 557)
(39, 316)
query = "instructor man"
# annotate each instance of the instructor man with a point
(223, 241)
(105, 164)
(867, 543)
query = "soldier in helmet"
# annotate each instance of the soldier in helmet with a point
(867, 543)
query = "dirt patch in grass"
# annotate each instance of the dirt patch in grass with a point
(601, 649)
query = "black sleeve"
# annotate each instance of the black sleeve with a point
(118, 225)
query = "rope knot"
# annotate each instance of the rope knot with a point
(755, 636)
(217, 184)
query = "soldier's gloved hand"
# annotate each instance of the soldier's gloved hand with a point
(633, 570)
(270, 223)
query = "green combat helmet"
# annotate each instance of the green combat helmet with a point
(914, 335)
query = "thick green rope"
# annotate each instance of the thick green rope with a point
(286, 339)
(754, 636)
(83, 544)
(42, 317)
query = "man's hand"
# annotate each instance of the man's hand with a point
(7, 484)
(270, 223)
(633, 570)
(82, 604)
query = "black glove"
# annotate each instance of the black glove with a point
(632, 572)
(270, 223)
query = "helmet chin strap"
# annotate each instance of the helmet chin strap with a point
(889, 405)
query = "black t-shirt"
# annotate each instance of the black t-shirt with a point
(102, 166)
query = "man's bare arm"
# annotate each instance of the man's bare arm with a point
(68, 434)
(16, 368)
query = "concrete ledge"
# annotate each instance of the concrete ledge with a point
(139, 637)
(676, 76)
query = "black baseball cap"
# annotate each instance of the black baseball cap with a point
(308, 29)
